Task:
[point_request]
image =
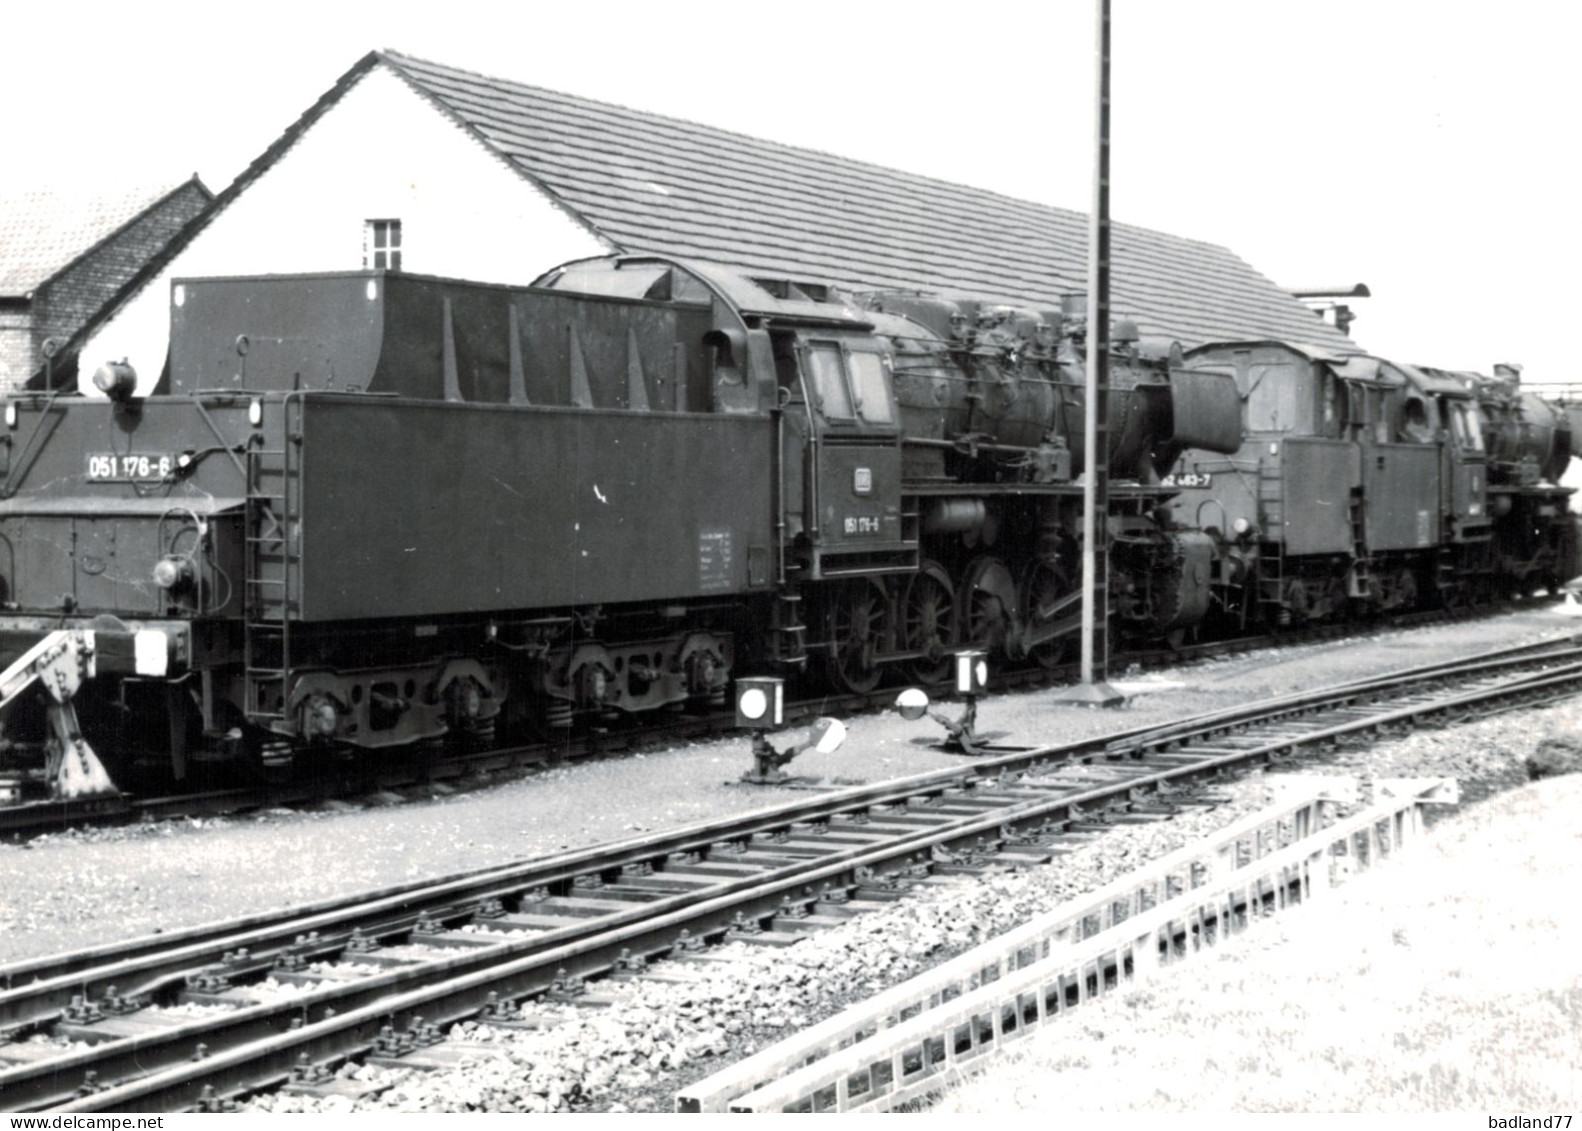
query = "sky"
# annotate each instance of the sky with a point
(1420, 148)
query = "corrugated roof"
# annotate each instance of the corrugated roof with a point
(43, 231)
(657, 184)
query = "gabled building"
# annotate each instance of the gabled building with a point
(65, 256)
(410, 165)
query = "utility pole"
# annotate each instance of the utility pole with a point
(1094, 691)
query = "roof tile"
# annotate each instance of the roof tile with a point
(658, 184)
(43, 231)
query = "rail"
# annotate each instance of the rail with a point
(905, 1057)
(1246, 841)
(703, 882)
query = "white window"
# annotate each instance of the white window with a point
(382, 244)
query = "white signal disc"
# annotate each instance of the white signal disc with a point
(753, 703)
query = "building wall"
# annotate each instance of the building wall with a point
(65, 304)
(381, 152)
(16, 342)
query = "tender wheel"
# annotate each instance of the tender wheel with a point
(1043, 589)
(1456, 594)
(1406, 595)
(265, 758)
(1298, 601)
(928, 621)
(854, 626)
(1335, 602)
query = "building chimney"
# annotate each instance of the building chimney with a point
(1321, 301)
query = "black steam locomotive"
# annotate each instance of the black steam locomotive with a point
(377, 510)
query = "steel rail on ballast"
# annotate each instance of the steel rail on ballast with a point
(941, 1039)
(454, 988)
(351, 1030)
(206, 943)
(39, 988)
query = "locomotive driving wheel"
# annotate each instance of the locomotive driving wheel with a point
(1043, 590)
(854, 627)
(988, 604)
(928, 623)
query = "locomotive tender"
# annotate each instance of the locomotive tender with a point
(373, 510)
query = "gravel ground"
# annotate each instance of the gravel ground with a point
(69, 890)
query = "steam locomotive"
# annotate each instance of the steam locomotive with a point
(377, 511)
(1366, 486)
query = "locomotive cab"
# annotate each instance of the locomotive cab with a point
(846, 419)
(1441, 409)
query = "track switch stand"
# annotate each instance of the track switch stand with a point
(972, 679)
(760, 708)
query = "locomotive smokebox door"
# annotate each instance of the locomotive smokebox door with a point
(760, 703)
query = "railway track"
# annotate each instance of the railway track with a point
(394, 773)
(185, 1020)
(928, 1033)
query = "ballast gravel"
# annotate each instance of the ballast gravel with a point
(658, 1036)
(73, 889)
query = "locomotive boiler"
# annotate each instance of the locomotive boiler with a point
(372, 510)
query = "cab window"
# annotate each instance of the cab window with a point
(829, 381)
(1279, 399)
(869, 388)
(1464, 417)
(849, 384)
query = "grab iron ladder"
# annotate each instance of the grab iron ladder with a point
(1271, 567)
(1362, 578)
(272, 570)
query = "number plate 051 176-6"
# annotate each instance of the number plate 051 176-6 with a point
(110, 467)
